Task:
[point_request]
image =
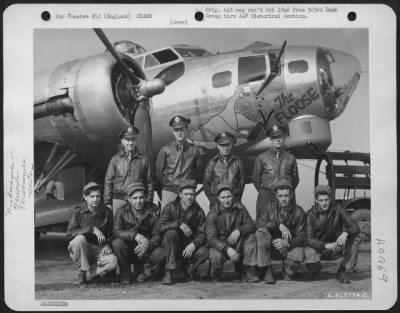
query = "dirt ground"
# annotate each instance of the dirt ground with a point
(55, 274)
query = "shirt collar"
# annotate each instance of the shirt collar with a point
(123, 153)
(98, 211)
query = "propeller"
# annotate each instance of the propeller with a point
(142, 90)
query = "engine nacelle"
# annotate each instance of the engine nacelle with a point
(99, 91)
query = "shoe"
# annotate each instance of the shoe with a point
(126, 280)
(269, 276)
(343, 277)
(250, 275)
(167, 279)
(215, 275)
(142, 277)
(81, 278)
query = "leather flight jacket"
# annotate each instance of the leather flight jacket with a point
(326, 227)
(121, 172)
(173, 215)
(294, 219)
(270, 165)
(176, 162)
(128, 223)
(219, 229)
(218, 172)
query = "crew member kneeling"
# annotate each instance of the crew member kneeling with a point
(331, 234)
(137, 240)
(182, 225)
(230, 234)
(89, 231)
(281, 233)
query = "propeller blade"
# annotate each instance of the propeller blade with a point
(142, 121)
(114, 53)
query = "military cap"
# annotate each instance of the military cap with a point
(283, 183)
(322, 189)
(224, 138)
(134, 187)
(91, 185)
(179, 121)
(276, 130)
(187, 183)
(129, 132)
(222, 187)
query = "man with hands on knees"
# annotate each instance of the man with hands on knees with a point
(230, 234)
(136, 236)
(331, 234)
(89, 232)
(281, 233)
(182, 227)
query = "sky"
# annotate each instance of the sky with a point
(350, 131)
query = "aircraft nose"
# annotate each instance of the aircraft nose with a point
(338, 75)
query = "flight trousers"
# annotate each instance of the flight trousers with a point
(124, 250)
(245, 246)
(266, 252)
(349, 253)
(173, 244)
(89, 258)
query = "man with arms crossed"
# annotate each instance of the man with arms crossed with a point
(126, 167)
(177, 160)
(182, 227)
(136, 236)
(89, 232)
(331, 234)
(230, 235)
(270, 165)
(281, 233)
(224, 168)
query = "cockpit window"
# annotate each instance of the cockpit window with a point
(151, 61)
(252, 69)
(296, 67)
(165, 56)
(192, 52)
(160, 57)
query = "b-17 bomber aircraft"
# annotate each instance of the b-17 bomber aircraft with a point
(81, 106)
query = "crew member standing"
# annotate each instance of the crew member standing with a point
(224, 168)
(177, 160)
(270, 165)
(126, 167)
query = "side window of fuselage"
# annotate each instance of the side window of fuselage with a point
(252, 68)
(222, 79)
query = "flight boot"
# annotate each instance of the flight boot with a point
(269, 275)
(167, 279)
(250, 275)
(81, 278)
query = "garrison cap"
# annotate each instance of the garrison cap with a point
(224, 138)
(322, 189)
(222, 187)
(179, 121)
(134, 187)
(187, 183)
(276, 130)
(91, 185)
(129, 132)
(283, 183)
